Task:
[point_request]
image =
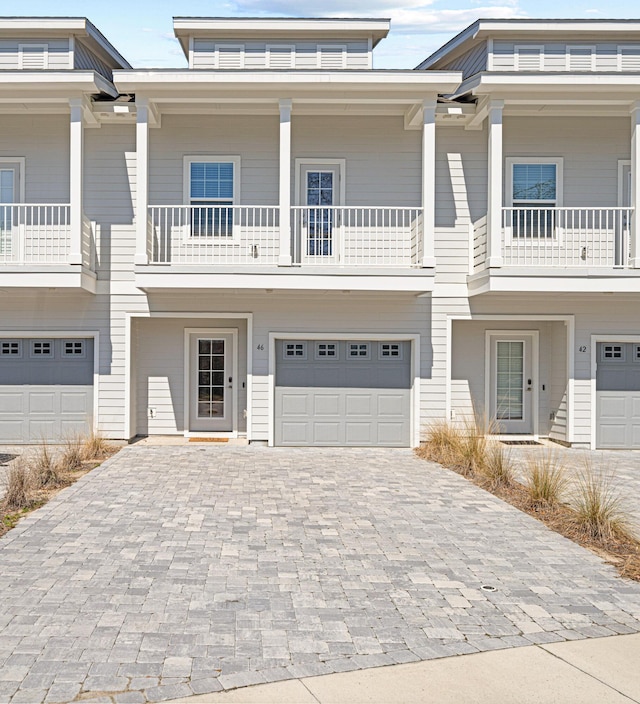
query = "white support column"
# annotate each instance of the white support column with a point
(76, 152)
(142, 180)
(494, 195)
(284, 257)
(634, 249)
(428, 181)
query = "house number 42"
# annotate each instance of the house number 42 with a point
(582, 348)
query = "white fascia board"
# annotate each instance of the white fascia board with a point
(147, 279)
(517, 280)
(44, 83)
(440, 82)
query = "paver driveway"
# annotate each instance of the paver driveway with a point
(172, 570)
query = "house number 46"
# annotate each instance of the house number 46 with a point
(260, 347)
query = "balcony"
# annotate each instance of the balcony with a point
(37, 239)
(319, 247)
(556, 249)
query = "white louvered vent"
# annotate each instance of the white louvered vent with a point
(332, 57)
(33, 56)
(230, 56)
(630, 58)
(581, 58)
(528, 58)
(280, 57)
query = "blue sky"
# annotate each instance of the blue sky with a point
(142, 29)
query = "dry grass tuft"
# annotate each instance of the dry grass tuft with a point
(598, 508)
(72, 455)
(17, 495)
(96, 447)
(45, 471)
(546, 479)
(497, 468)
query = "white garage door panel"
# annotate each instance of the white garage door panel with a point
(48, 397)
(618, 396)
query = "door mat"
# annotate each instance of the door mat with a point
(208, 439)
(520, 442)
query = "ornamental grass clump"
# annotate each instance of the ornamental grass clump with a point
(95, 447)
(17, 494)
(45, 472)
(497, 467)
(72, 455)
(598, 508)
(546, 480)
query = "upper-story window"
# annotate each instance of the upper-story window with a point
(210, 185)
(535, 194)
(528, 57)
(32, 57)
(332, 56)
(280, 56)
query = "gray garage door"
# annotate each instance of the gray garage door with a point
(618, 395)
(343, 393)
(46, 389)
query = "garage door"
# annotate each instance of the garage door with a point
(618, 395)
(343, 393)
(46, 389)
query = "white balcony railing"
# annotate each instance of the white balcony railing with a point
(357, 236)
(34, 234)
(250, 235)
(220, 235)
(566, 237)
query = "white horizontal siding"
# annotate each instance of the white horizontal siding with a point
(43, 141)
(57, 53)
(255, 53)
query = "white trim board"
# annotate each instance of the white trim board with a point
(300, 162)
(129, 414)
(413, 338)
(595, 339)
(21, 163)
(79, 334)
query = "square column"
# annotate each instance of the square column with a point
(284, 256)
(494, 190)
(76, 157)
(428, 181)
(142, 180)
(634, 245)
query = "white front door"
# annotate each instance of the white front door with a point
(211, 379)
(511, 380)
(624, 225)
(8, 196)
(320, 184)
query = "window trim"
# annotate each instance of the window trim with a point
(80, 355)
(34, 355)
(187, 160)
(10, 341)
(364, 357)
(269, 47)
(516, 54)
(33, 45)
(216, 53)
(343, 49)
(615, 360)
(400, 355)
(301, 357)
(321, 358)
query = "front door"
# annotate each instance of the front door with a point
(320, 194)
(211, 379)
(624, 225)
(8, 196)
(512, 383)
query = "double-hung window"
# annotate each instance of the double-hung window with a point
(535, 196)
(211, 191)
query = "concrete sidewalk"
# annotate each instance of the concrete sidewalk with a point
(598, 671)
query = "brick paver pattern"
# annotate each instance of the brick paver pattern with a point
(169, 571)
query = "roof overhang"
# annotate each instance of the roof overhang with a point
(531, 30)
(278, 28)
(52, 86)
(53, 27)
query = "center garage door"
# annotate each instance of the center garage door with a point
(46, 389)
(343, 393)
(618, 395)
